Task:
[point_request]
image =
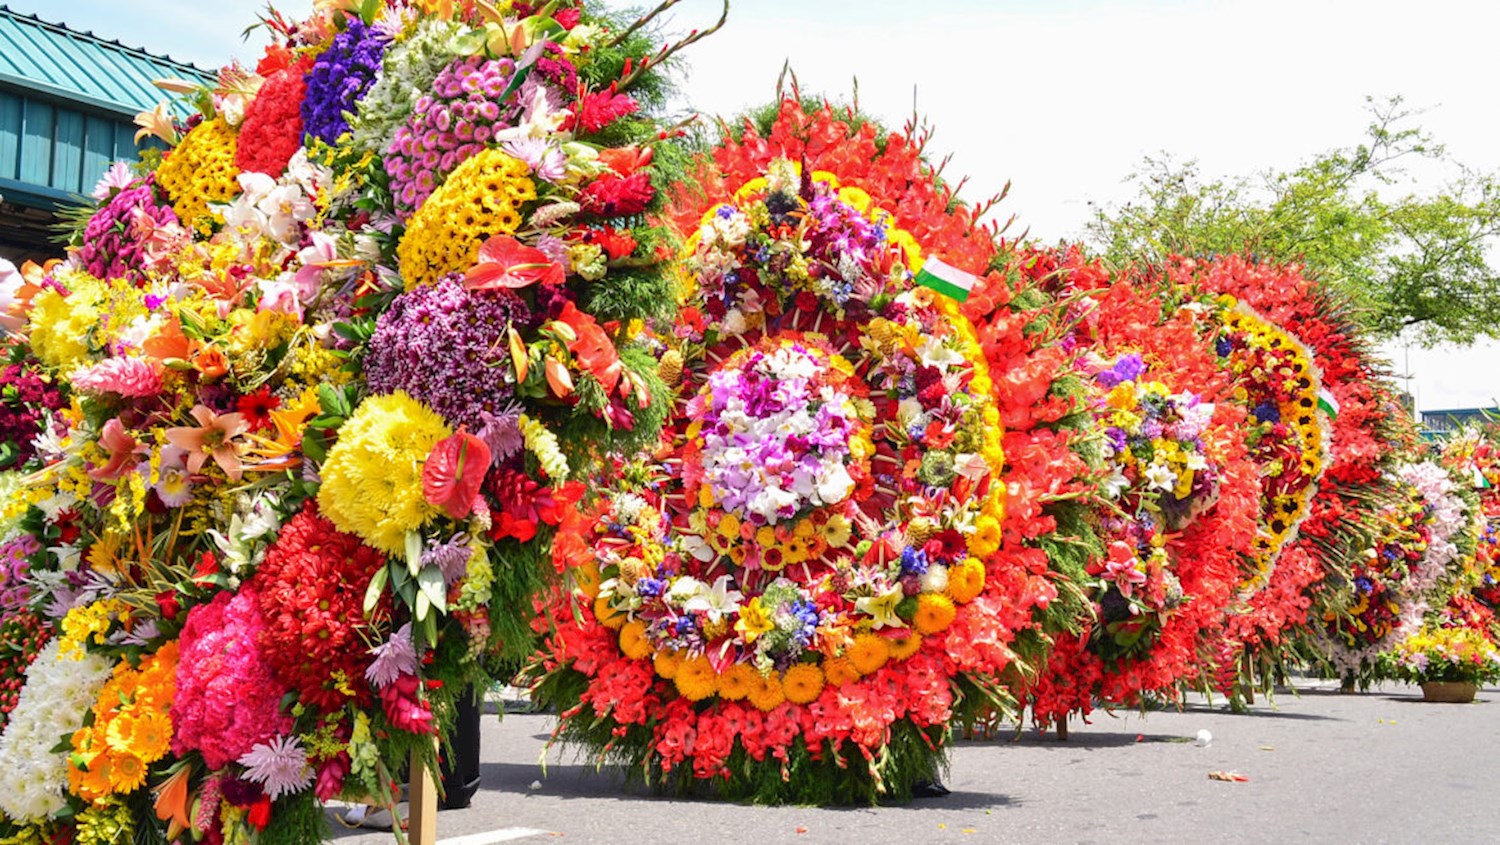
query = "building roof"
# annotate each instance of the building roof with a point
(82, 68)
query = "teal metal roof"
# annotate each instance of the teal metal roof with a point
(67, 103)
(82, 68)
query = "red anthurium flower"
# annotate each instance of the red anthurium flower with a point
(453, 473)
(592, 348)
(505, 262)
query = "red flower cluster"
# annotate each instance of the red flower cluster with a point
(272, 131)
(311, 588)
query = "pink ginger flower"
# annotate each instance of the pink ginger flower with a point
(131, 378)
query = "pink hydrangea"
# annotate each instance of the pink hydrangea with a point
(228, 700)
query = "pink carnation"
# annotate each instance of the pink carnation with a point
(228, 700)
(129, 377)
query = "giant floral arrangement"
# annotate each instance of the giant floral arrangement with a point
(306, 404)
(812, 592)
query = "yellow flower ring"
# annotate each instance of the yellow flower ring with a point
(830, 493)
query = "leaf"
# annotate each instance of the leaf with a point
(430, 579)
(376, 588)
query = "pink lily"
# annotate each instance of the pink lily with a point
(122, 448)
(212, 437)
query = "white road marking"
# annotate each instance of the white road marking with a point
(508, 834)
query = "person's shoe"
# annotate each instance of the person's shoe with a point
(929, 789)
(367, 817)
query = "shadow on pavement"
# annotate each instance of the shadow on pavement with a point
(1262, 714)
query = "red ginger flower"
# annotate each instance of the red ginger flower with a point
(311, 588)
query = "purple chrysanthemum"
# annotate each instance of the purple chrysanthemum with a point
(393, 658)
(339, 78)
(446, 346)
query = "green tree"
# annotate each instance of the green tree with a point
(1416, 265)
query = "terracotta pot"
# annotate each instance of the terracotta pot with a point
(1449, 692)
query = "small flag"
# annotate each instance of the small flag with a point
(1480, 482)
(946, 279)
(1327, 404)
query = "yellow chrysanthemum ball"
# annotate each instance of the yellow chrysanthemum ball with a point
(986, 538)
(904, 647)
(60, 325)
(839, 671)
(738, 682)
(666, 663)
(482, 197)
(633, 642)
(199, 171)
(607, 615)
(802, 683)
(766, 693)
(869, 653)
(965, 580)
(935, 613)
(696, 679)
(372, 480)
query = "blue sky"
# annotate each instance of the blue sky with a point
(1061, 98)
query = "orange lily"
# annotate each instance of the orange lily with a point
(172, 801)
(592, 348)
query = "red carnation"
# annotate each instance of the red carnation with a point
(272, 131)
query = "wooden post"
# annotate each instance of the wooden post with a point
(1249, 678)
(423, 803)
(1062, 729)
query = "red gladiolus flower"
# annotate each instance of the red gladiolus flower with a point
(260, 813)
(616, 196)
(592, 348)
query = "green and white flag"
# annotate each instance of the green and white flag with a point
(946, 279)
(1328, 404)
(1480, 482)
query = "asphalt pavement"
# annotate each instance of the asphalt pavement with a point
(1318, 766)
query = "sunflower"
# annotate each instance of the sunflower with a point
(904, 647)
(766, 693)
(839, 671)
(696, 679)
(633, 641)
(667, 663)
(935, 613)
(802, 683)
(868, 653)
(738, 682)
(965, 580)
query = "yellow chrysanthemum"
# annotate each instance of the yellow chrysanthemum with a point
(934, 614)
(201, 170)
(60, 325)
(766, 693)
(666, 663)
(737, 682)
(372, 480)
(633, 642)
(986, 538)
(965, 580)
(869, 653)
(482, 197)
(905, 646)
(696, 679)
(839, 671)
(803, 683)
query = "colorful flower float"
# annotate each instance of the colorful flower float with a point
(306, 404)
(809, 592)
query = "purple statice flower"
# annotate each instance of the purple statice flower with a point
(1128, 368)
(448, 126)
(279, 766)
(446, 346)
(1223, 346)
(110, 250)
(14, 565)
(393, 658)
(650, 587)
(339, 78)
(913, 561)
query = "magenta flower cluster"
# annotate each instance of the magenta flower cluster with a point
(446, 346)
(339, 78)
(110, 249)
(24, 400)
(446, 127)
(228, 700)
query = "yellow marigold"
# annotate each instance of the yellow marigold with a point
(668, 662)
(586, 579)
(201, 170)
(985, 540)
(802, 683)
(905, 646)
(839, 671)
(696, 679)
(935, 613)
(633, 642)
(60, 325)
(482, 197)
(739, 681)
(372, 480)
(766, 693)
(869, 653)
(965, 580)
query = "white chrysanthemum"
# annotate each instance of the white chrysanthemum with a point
(57, 693)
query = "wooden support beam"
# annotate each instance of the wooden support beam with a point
(423, 801)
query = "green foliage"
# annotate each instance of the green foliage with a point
(1407, 261)
(297, 820)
